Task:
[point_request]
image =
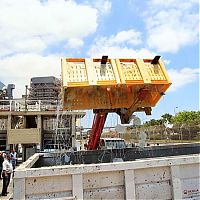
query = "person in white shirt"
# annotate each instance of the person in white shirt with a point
(6, 174)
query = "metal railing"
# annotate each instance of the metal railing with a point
(22, 105)
(28, 105)
(31, 105)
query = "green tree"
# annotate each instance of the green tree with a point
(167, 117)
(187, 121)
(187, 117)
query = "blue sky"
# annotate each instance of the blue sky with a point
(36, 34)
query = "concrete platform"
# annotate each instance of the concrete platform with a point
(176, 176)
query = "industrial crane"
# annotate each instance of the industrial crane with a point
(123, 86)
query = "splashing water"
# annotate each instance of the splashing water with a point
(142, 137)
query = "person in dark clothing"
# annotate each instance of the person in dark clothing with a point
(6, 174)
(1, 163)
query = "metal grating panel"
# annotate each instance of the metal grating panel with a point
(76, 72)
(102, 75)
(155, 72)
(131, 71)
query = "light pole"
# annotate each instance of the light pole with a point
(175, 110)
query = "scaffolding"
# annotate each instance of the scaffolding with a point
(44, 88)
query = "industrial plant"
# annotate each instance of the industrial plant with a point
(36, 121)
(44, 126)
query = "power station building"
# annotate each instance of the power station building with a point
(44, 88)
(37, 122)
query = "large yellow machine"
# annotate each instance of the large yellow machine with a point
(118, 85)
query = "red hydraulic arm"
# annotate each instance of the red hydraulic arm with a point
(97, 127)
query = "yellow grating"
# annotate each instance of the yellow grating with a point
(76, 72)
(155, 72)
(103, 75)
(131, 71)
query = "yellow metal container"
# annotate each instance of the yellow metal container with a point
(120, 83)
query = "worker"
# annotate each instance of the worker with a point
(14, 158)
(6, 174)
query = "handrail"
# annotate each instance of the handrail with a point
(29, 105)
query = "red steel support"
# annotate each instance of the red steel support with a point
(97, 127)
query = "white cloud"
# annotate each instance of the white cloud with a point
(119, 45)
(103, 6)
(117, 52)
(123, 38)
(166, 61)
(126, 37)
(182, 77)
(171, 24)
(185, 4)
(32, 26)
(18, 69)
(74, 43)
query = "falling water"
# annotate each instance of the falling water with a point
(142, 140)
(62, 133)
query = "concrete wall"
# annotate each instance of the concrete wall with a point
(24, 136)
(110, 155)
(159, 178)
(10, 135)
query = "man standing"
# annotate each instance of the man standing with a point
(7, 171)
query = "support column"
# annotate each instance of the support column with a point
(39, 105)
(130, 184)
(19, 189)
(9, 126)
(24, 121)
(77, 187)
(10, 102)
(9, 122)
(39, 126)
(73, 134)
(176, 182)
